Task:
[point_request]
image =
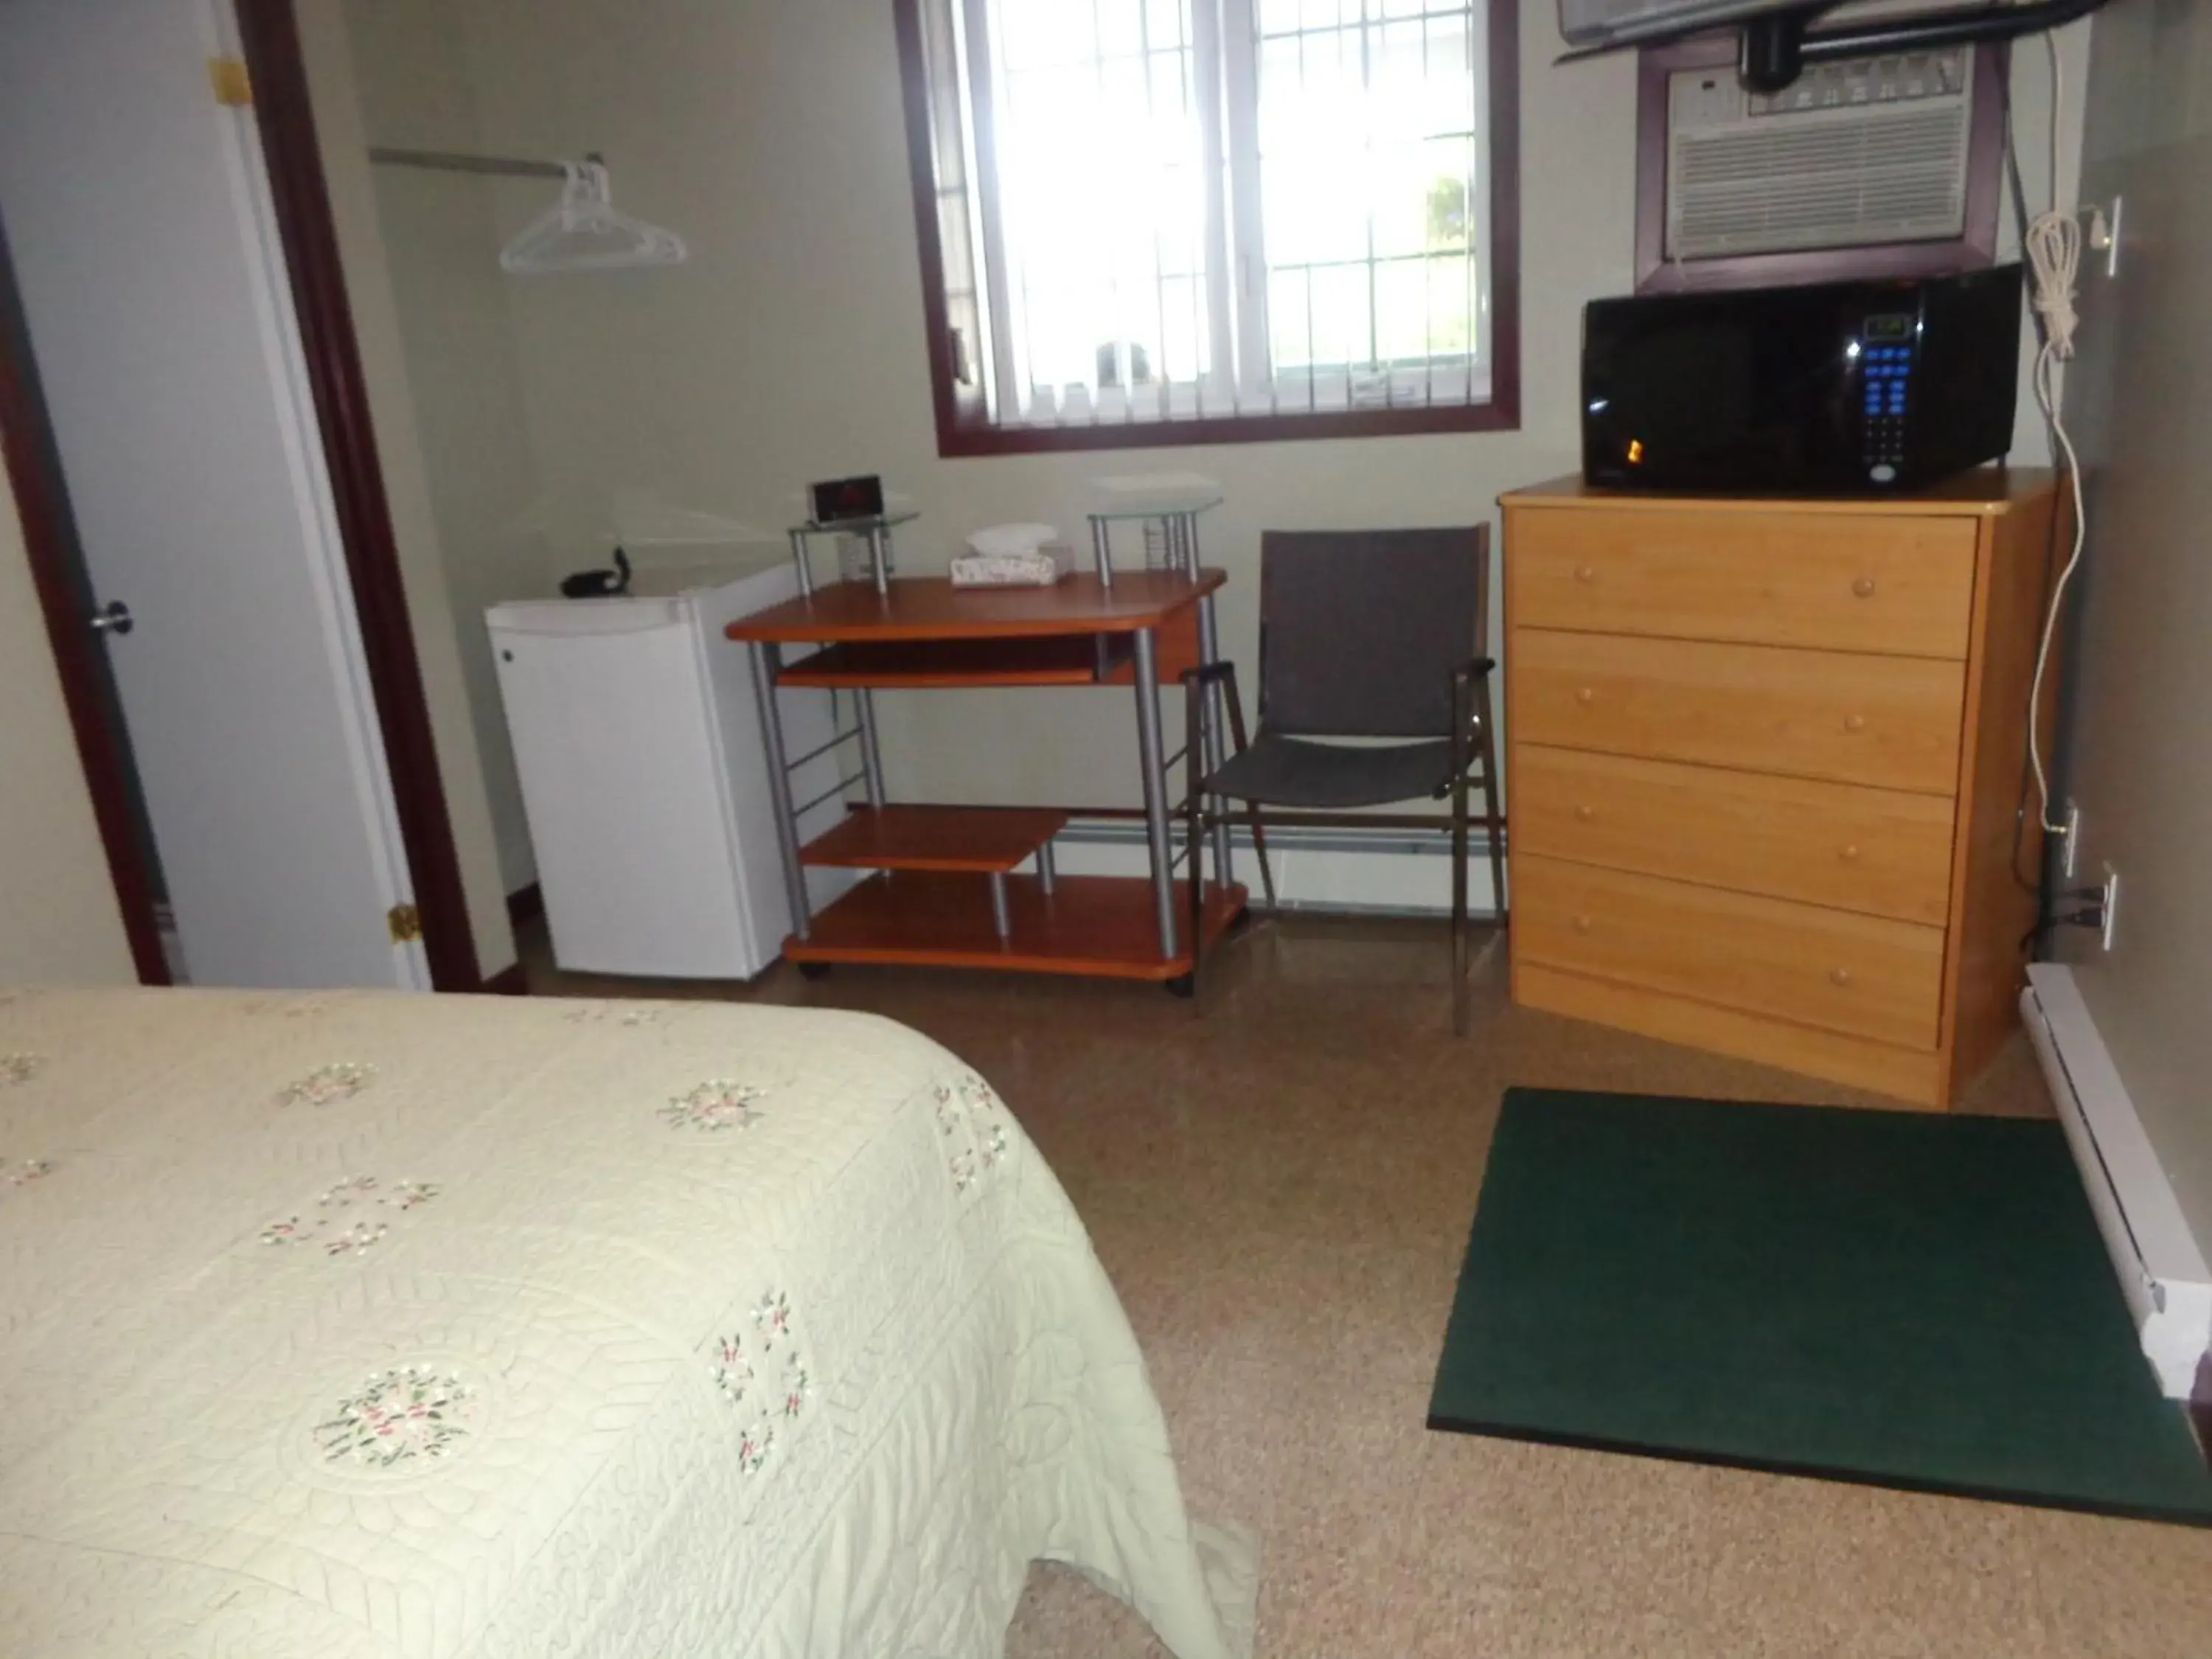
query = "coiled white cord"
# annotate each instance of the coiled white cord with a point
(2053, 245)
(2054, 255)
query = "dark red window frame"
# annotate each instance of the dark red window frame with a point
(964, 428)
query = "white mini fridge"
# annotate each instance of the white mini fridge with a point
(637, 737)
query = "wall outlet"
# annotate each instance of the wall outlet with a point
(2111, 903)
(2070, 846)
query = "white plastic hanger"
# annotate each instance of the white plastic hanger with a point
(583, 232)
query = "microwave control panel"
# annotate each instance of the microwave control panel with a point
(1885, 354)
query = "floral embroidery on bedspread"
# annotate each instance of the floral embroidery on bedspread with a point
(327, 1085)
(397, 1415)
(712, 1106)
(761, 1373)
(19, 1068)
(625, 1013)
(326, 1222)
(287, 1008)
(734, 1372)
(969, 1114)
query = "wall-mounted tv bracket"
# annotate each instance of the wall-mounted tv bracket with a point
(1777, 46)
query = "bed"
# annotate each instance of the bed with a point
(363, 1324)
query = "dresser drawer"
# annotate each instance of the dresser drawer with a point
(1892, 722)
(1900, 587)
(1862, 976)
(1883, 851)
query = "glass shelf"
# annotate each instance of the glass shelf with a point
(855, 526)
(1165, 507)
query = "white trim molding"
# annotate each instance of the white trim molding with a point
(2162, 1267)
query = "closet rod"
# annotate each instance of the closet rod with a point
(450, 161)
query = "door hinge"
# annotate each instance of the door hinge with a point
(234, 87)
(405, 922)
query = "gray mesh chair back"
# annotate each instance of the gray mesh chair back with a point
(1361, 631)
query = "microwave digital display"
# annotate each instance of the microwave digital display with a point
(1892, 325)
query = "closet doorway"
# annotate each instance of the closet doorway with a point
(185, 431)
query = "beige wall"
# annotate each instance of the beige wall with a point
(59, 923)
(423, 560)
(791, 346)
(2139, 401)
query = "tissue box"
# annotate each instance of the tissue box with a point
(1013, 539)
(1040, 567)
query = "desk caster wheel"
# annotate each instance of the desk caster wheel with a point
(814, 970)
(1182, 986)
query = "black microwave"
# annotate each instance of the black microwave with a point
(1834, 388)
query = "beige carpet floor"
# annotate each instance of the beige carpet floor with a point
(1282, 1190)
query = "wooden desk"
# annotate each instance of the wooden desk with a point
(948, 893)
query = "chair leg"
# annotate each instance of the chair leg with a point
(1251, 808)
(1463, 719)
(1195, 827)
(1486, 750)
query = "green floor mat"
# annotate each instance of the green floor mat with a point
(1909, 1300)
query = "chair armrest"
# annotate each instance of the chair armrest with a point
(1475, 668)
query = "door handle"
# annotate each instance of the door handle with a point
(113, 617)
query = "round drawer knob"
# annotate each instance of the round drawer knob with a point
(1582, 924)
(1585, 574)
(1864, 588)
(1584, 814)
(1584, 695)
(1839, 975)
(1850, 855)
(1855, 722)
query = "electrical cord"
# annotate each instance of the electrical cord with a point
(2034, 883)
(2092, 914)
(2090, 918)
(2053, 246)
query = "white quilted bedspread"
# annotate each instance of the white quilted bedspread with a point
(370, 1325)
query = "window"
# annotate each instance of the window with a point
(1163, 222)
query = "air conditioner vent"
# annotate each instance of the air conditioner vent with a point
(1858, 153)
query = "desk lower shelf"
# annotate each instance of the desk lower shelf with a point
(1097, 925)
(952, 665)
(978, 840)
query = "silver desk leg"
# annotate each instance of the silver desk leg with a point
(1046, 875)
(1190, 545)
(1156, 786)
(1102, 552)
(798, 557)
(871, 755)
(764, 654)
(1002, 922)
(1213, 702)
(879, 557)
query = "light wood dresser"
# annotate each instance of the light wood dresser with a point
(1763, 763)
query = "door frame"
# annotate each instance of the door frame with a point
(34, 465)
(276, 69)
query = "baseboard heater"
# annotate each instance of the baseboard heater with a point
(2161, 1269)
